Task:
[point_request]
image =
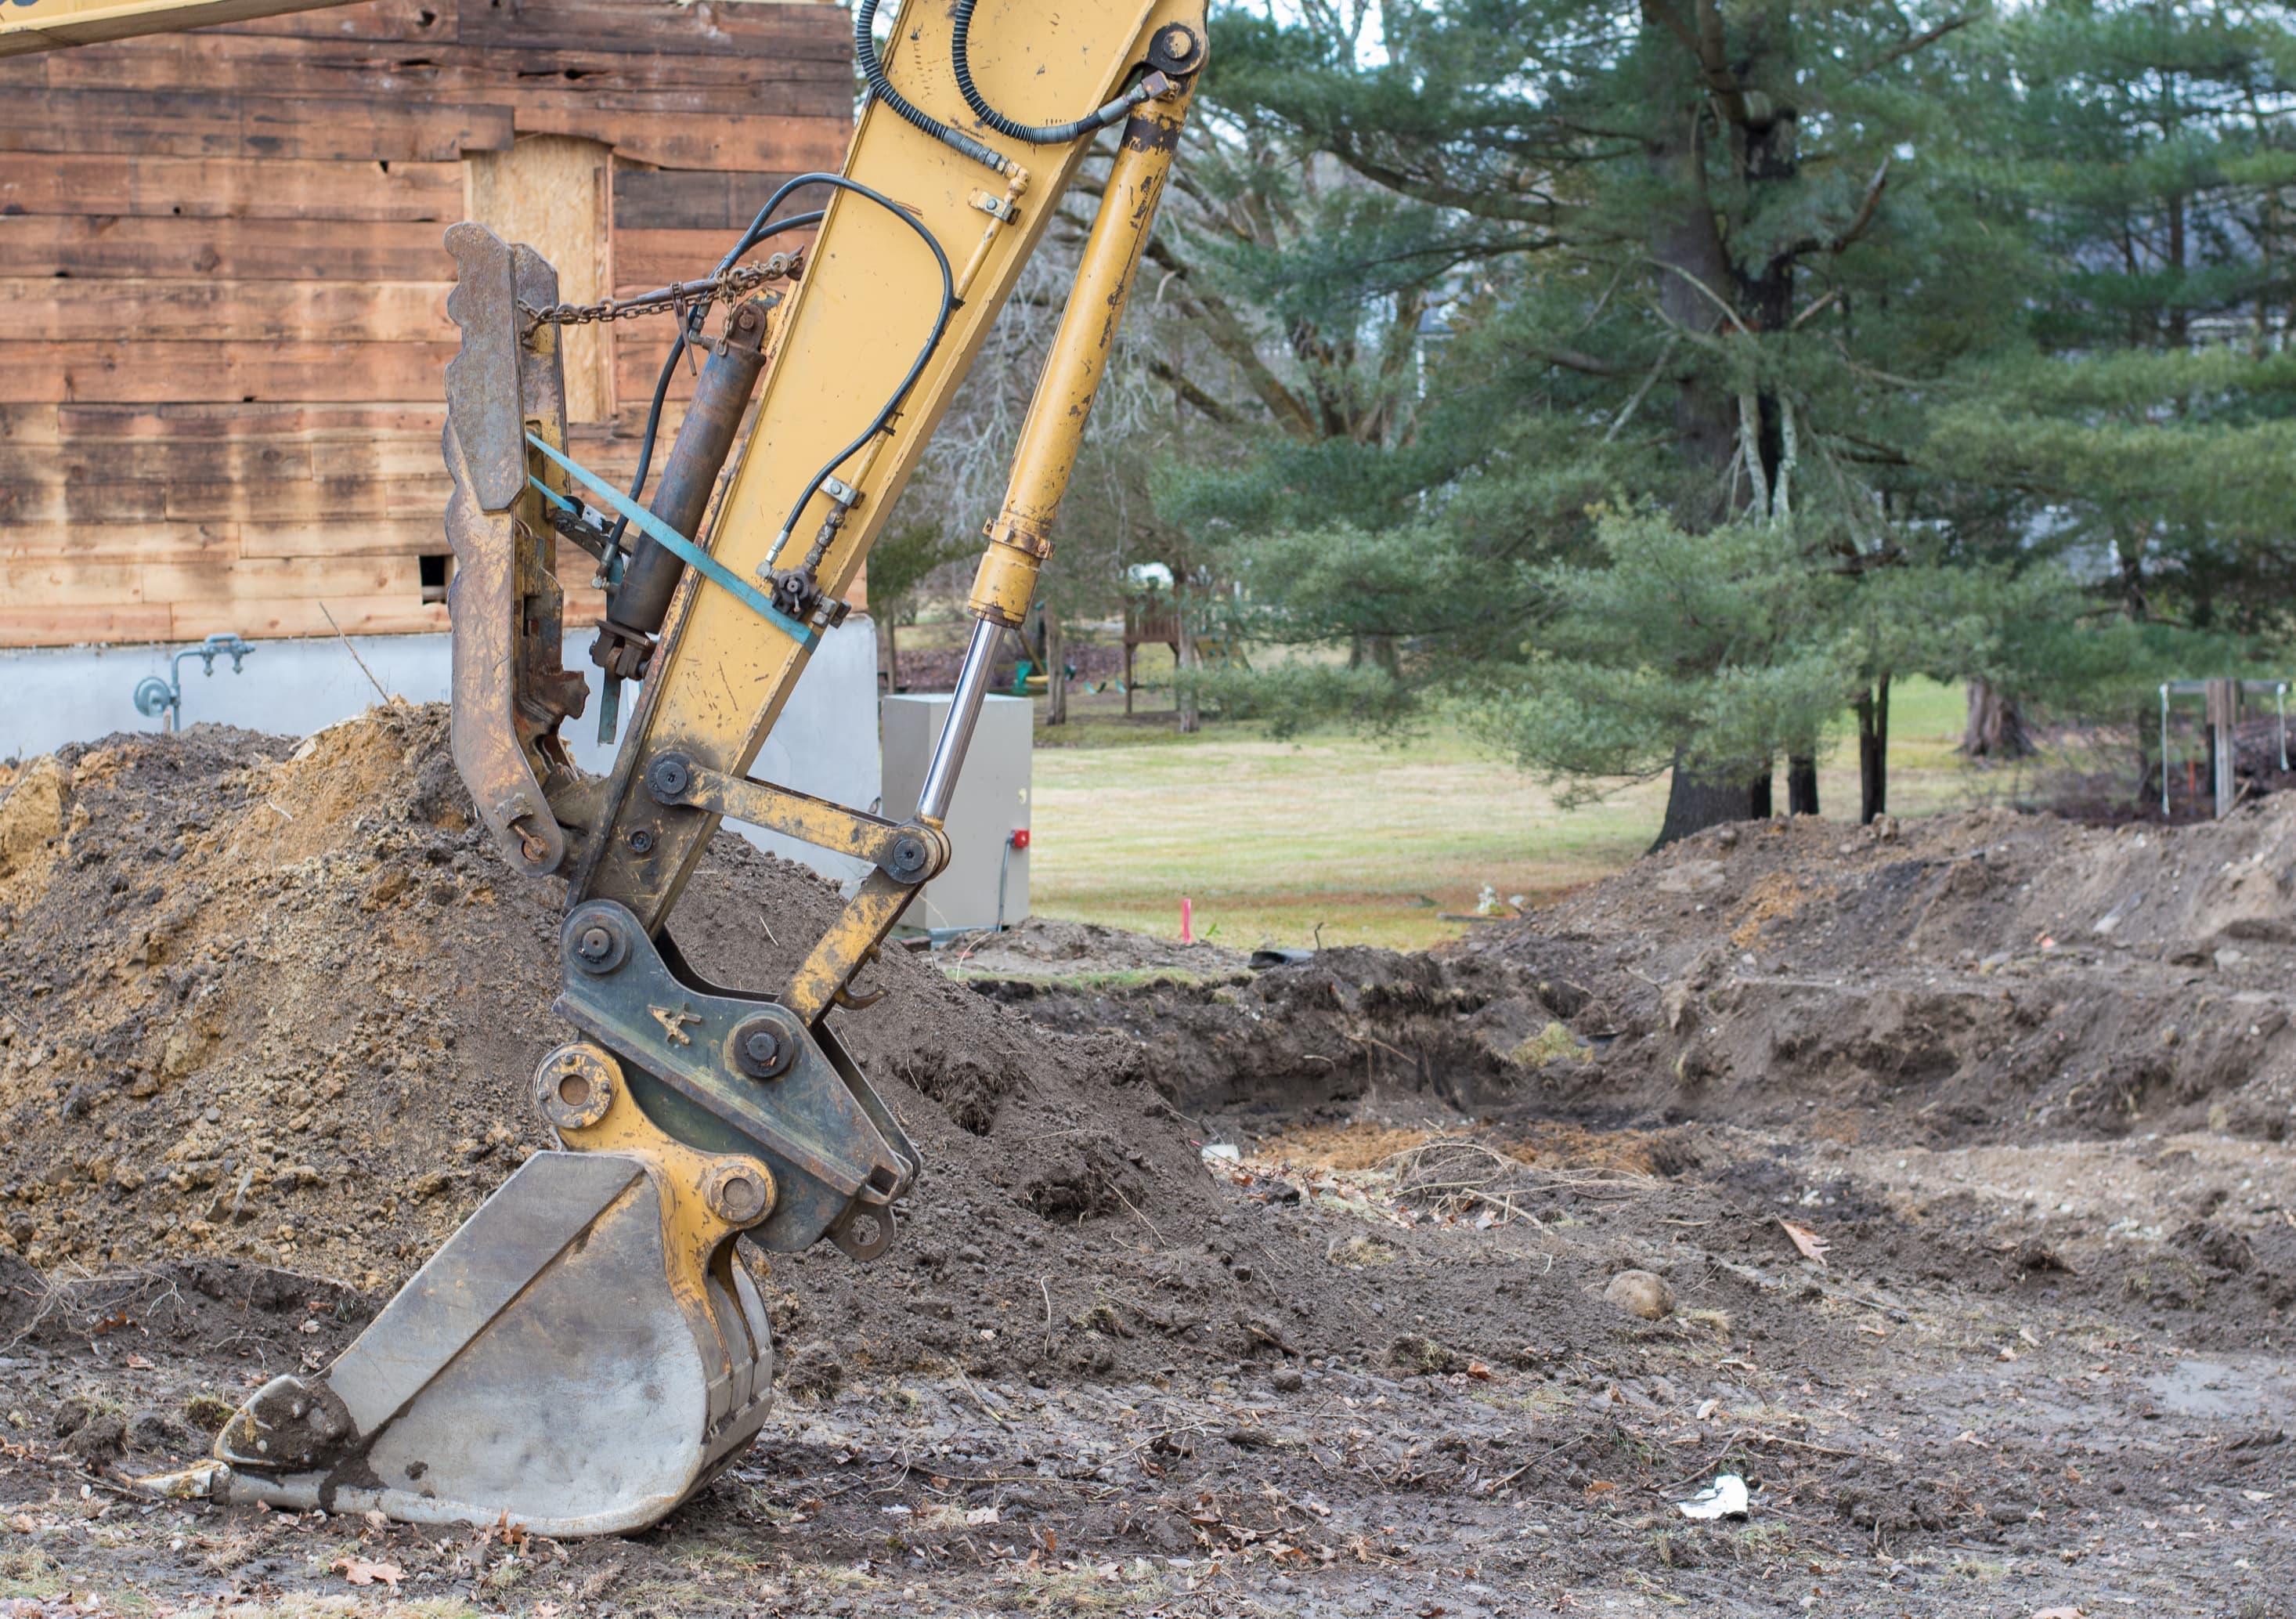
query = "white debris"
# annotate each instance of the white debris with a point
(1725, 1496)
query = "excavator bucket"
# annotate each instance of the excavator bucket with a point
(583, 1354)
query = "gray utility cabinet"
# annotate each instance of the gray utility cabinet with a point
(991, 804)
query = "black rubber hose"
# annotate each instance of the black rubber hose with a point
(757, 232)
(765, 225)
(916, 366)
(865, 53)
(1036, 134)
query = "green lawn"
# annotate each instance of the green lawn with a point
(1366, 842)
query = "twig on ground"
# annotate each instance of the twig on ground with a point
(386, 698)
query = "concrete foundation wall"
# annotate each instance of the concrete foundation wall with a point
(825, 744)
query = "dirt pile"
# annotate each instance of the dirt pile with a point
(279, 1003)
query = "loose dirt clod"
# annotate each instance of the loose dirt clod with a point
(1639, 1293)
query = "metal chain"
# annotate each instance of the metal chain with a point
(678, 298)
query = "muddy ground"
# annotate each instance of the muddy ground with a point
(267, 1009)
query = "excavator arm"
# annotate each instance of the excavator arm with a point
(589, 1349)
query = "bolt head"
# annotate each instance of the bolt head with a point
(762, 1046)
(596, 943)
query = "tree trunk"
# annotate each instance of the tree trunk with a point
(1693, 802)
(892, 654)
(1995, 729)
(1874, 751)
(1801, 785)
(1760, 802)
(1184, 667)
(1056, 670)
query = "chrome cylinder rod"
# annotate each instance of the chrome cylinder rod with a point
(956, 731)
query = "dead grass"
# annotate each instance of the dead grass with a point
(1343, 1148)
(1365, 1146)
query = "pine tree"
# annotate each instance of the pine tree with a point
(1719, 269)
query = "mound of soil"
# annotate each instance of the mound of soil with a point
(279, 1003)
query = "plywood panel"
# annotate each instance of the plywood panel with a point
(168, 310)
(552, 193)
(195, 124)
(156, 371)
(232, 188)
(243, 250)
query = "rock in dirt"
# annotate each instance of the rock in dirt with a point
(1640, 1292)
(101, 1438)
(1422, 1356)
(154, 1431)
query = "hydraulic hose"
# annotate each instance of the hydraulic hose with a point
(1036, 134)
(865, 53)
(765, 225)
(925, 353)
(691, 330)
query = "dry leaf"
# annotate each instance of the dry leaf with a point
(358, 1571)
(138, 1363)
(1478, 1371)
(1812, 1246)
(2058, 1613)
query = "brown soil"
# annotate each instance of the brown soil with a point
(266, 1014)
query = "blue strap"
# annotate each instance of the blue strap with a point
(679, 547)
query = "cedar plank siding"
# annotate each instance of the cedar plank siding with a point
(223, 290)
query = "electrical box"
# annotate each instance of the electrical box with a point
(988, 875)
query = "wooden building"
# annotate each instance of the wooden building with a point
(222, 287)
